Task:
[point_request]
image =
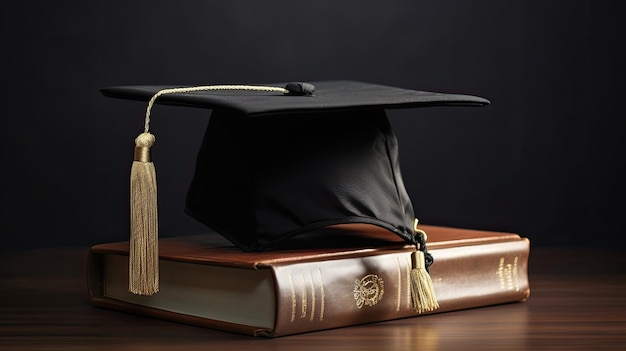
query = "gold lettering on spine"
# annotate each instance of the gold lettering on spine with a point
(312, 296)
(303, 298)
(407, 279)
(322, 296)
(309, 300)
(293, 299)
(399, 297)
(508, 274)
(500, 272)
(515, 277)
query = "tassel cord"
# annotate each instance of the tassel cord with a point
(420, 244)
(205, 88)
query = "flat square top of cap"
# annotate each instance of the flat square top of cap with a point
(328, 96)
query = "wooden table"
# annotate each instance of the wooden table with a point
(578, 302)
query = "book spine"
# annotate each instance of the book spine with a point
(337, 293)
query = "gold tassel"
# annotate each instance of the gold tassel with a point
(422, 290)
(143, 267)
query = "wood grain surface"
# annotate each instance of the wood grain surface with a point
(578, 302)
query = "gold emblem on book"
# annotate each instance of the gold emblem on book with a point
(368, 290)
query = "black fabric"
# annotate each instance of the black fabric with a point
(259, 182)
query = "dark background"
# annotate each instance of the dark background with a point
(544, 160)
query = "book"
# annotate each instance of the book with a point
(206, 281)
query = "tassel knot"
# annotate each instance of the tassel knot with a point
(145, 140)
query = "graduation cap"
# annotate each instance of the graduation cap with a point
(280, 161)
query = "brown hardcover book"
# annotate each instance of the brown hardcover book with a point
(205, 281)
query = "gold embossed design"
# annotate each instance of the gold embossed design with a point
(369, 290)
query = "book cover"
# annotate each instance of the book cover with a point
(206, 281)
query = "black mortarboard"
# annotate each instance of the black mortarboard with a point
(284, 160)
